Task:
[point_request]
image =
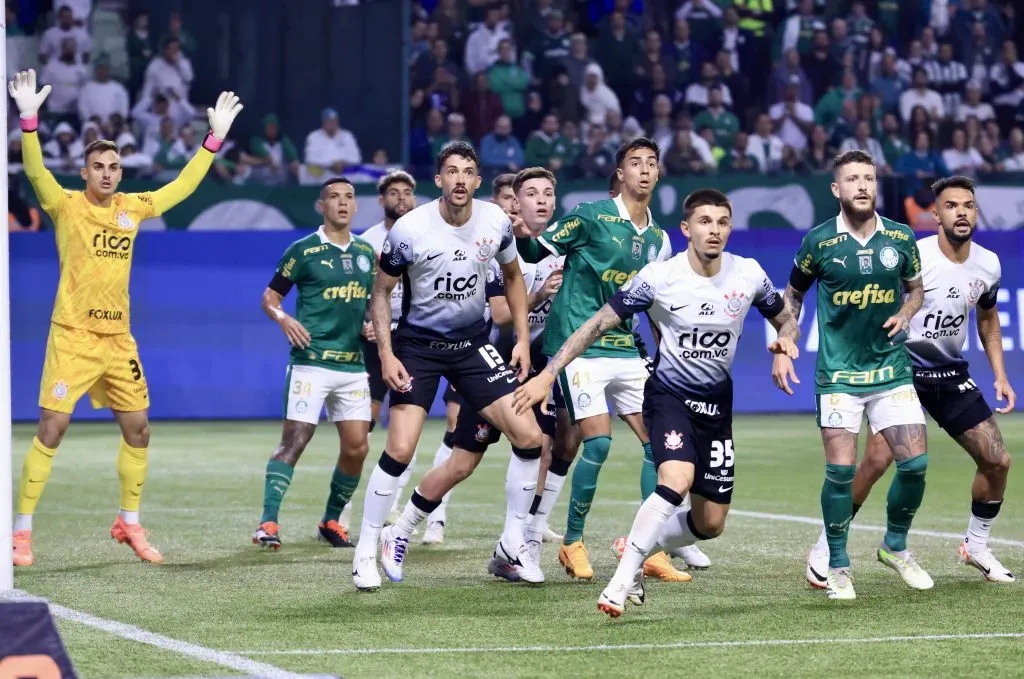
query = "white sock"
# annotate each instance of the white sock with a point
(128, 517)
(440, 515)
(654, 513)
(675, 532)
(23, 522)
(537, 524)
(380, 490)
(403, 481)
(977, 534)
(412, 516)
(520, 487)
(685, 505)
(822, 543)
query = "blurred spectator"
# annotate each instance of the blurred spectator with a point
(150, 114)
(631, 12)
(1006, 82)
(988, 154)
(922, 164)
(919, 206)
(660, 127)
(947, 77)
(980, 54)
(90, 133)
(131, 159)
(921, 95)
(650, 56)
(734, 82)
(869, 58)
(929, 47)
(66, 75)
(482, 44)
(643, 97)
(178, 32)
(1014, 159)
(738, 160)
(830, 107)
(682, 158)
(860, 25)
(549, 48)
(546, 147)
(798, 30)
(330, 147)
(140, 51)
(863, 141)
(427, 63)
(971, 13)
(722, 122)
(20, 215)
(597, 160)
(455, 130)
(171, 72)
(425, 137)
(972, 105)
(819, 155)
(765, 146)
(509, 81)
(840, 43)
(697, 94)
(819, 65)
(888, 85)
(961, 159)
(169, 162)
(684, 54)
(573, 144)
(533, 117)
(161, 141)
(704, 18)
(418, 42)
(786, 72)
(501, 151)
(481, 107)
(616, 48)
(737, 41)
(64, 153)
(443, 91)
(102, 97)
(793, 119)
(52, 43)
(596, 97)
(575, 64)
(450, 20)
(274, 156)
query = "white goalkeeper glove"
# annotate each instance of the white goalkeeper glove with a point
(223, 114)
(23, 91)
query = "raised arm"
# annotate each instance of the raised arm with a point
(28, 100)
(604, 320)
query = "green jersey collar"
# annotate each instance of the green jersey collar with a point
(842, 227)
(322, 235)
(624, 214)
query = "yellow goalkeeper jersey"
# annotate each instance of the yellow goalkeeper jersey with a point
(95, 244)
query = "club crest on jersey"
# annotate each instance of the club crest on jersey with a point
(673, 440)
(60, 390)
(124, 221)
(974, 290)
(734, 304)
(889, 258)
(386, 248)
(346, 264)
(652, 254)
(866, 266)
(485, 249)
(637, 249)
(363, 262)
(483, 431)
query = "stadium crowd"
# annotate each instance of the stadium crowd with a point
(929, 87)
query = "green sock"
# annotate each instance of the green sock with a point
(275, 485)
(342, 488)
(648, 474)
(584, 485)
(837, 510)
(905, 495)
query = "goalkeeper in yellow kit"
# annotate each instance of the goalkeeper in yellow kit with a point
(90, 348)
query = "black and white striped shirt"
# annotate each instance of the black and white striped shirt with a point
(948, 79)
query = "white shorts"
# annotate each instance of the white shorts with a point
(888, 408)
(309, 388)
(588, 384)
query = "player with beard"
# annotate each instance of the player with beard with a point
(959, 275)
(397, 196)
(863, 265)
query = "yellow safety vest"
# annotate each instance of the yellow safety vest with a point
(755, 26)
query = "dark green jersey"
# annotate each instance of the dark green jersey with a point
(603, 251)
(860, 285)
(334, 286)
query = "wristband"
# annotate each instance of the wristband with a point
(30, 124)
(212, 143)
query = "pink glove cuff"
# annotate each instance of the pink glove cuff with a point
(211, 143)
(30, 124)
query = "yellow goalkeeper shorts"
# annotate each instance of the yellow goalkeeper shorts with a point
(107, 367)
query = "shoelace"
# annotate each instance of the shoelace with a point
(401, 544)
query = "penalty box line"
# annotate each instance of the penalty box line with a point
(682, 645)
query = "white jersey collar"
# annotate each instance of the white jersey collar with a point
(843, 227)
(620, 205)
(322, 234)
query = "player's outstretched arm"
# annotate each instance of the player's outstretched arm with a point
(23, 90)
(515, 296)
(221, 116)
(536, 390)
(991, 336)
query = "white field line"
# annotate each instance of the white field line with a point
(227, 659)
(753, 643)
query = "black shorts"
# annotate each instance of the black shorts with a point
(452, 396)
(952, 398)
(371, 359)
(473, 367)
(696, 431)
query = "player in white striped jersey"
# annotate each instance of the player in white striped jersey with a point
(959, 275)
(442, 251)
(397, 197)
(698, 301)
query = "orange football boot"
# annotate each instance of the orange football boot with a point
(133, 535)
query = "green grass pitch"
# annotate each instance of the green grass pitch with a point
(297, 609)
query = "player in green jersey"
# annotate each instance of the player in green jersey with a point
(604, 243)
(333, 271)
(868, 271)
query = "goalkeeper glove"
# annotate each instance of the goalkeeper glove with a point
(23, 91)
(221, 116)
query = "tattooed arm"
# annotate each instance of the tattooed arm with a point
(380, 309)
(794, 301)
(601, 322)
(912, 302)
